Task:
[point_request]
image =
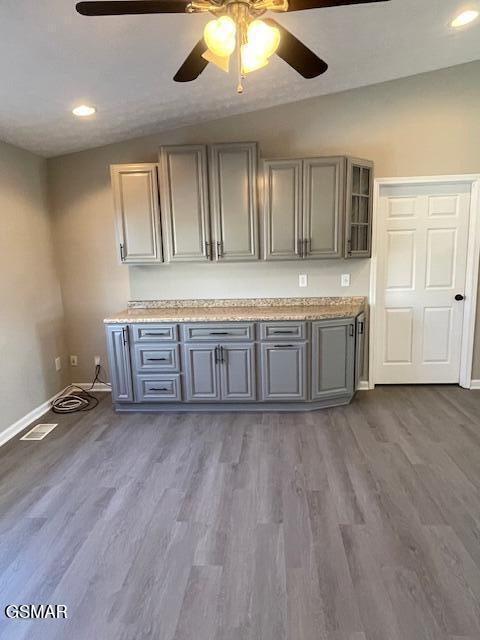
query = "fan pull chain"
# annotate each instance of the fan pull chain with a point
(239, 60)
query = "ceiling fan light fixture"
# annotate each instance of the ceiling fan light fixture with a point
(220, 36)
(251, 58)
(465, 18)
(263, 38)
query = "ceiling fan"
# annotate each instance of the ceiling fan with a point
(235, 29)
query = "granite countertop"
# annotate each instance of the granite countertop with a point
(235, 310)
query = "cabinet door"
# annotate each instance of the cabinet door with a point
(282, 209)
(119, 362)
(359, 348)
(284, 372)
(333, 355)
(237, 367)
(359, 203)
(323, 206)
(233, 198)
(201, 373)
(184, 195)
(137, 213)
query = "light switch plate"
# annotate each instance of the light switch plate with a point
(345, 281)
(58, 363)
(302, 280)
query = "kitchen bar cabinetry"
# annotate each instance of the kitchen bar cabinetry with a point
(312, 204)
(203, 207)
(275, 365)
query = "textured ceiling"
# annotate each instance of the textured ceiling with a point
(51, 59)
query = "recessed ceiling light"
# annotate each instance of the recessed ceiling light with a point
(83, 110)
(465, 18)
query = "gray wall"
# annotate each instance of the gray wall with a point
(426, 124)
(31, 318)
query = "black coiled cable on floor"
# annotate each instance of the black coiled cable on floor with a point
(70, 402)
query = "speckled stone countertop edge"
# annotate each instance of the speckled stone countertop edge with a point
(347, 308)
(244, 302)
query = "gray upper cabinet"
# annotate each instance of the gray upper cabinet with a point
(359, 207)
(282, 202)
(119, 363)
(237, 371)
(185, 204)
(333, 358)
(233, 201)
(323, 207)
(137, 213)
(284, 371)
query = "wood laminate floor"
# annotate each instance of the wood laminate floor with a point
(356, 523)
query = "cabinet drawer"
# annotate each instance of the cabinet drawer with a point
(153, 358)
(230, 332)
(158, 388)
(155, 332)
(279, 331)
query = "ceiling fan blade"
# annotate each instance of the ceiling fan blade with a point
(296, 54)
(194, 64)
(130, 7)
(301, 5)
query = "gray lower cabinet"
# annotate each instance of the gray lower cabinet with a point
(284, 371)
(359, 348)
(219, 372)
(118, 347)
(202, 379)
(333, 358)
(158, 387)
(290, 364)
(237, 372)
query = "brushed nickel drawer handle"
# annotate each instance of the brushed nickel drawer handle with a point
(220, 333)
(159, 333)
(157, 359)
(283, 346)
(158, 389)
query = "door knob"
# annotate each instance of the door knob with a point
(459, 297)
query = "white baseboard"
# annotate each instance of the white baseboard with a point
(98, 386)
(33, 415)
(363, 385)
(474, 384)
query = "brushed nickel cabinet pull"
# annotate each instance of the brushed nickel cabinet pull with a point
(122, 253)
(156, 359)
(158, 389)
(283, 346)
(125, 335)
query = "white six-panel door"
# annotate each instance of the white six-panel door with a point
(422, 256)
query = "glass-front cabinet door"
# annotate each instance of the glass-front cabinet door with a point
(359, 204)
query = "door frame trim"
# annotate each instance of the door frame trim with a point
(471, 282)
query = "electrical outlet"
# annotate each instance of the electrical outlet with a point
(73, 361)
(345, 281)
(302, 280)
(58, 363)
(96, 360)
